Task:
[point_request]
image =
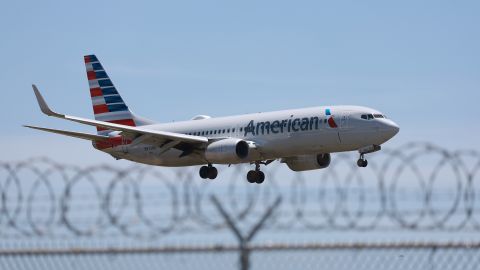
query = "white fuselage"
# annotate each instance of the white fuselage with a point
(278, 134)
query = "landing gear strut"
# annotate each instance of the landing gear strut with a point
(209, 172)
(362, 161)
(256, 176)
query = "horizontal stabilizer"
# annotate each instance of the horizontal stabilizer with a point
(80, 135)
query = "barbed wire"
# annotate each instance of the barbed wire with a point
(419, 186)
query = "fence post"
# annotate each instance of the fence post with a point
(244, 240)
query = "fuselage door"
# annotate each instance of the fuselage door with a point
(344, 120)
(346, 134)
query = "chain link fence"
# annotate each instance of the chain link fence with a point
(336, 256)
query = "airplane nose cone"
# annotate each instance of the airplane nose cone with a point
(392, 128)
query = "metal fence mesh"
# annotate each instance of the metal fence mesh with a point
(333, 257)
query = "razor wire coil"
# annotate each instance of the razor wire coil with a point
(42, 197)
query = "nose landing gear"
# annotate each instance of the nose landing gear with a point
(362, 161)
(209, 172)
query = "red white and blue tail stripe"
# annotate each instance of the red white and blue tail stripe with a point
(107, 103)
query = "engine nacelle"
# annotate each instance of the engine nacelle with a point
(227, 151)
(307, 162)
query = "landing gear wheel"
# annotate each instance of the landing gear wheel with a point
(362, 163)
(204, 172)
(209, 172)
(260, 177)
(212, 173)
(255, 177)
(252, 177)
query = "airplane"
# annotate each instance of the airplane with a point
(303, 139)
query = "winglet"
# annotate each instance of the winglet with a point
(43, 105)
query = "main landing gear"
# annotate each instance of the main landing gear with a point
(362, 161)
(253, 176)
(209, 172)
(257, 176)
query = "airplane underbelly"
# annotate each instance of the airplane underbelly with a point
(153, 156)
(302, 143)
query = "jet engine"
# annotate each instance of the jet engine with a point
(227, 151)
(307, 162)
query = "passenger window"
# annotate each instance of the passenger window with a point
(233, 130)
(223, 131)
(228, 130)
(241, 129)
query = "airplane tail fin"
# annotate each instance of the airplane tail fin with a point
(107, 103)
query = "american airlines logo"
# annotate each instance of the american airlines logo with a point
(289, 125)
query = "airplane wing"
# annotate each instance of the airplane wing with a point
(134, 132)
(80, 135)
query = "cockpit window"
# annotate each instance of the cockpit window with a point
(372, 116)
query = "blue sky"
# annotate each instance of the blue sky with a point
(416, 61)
